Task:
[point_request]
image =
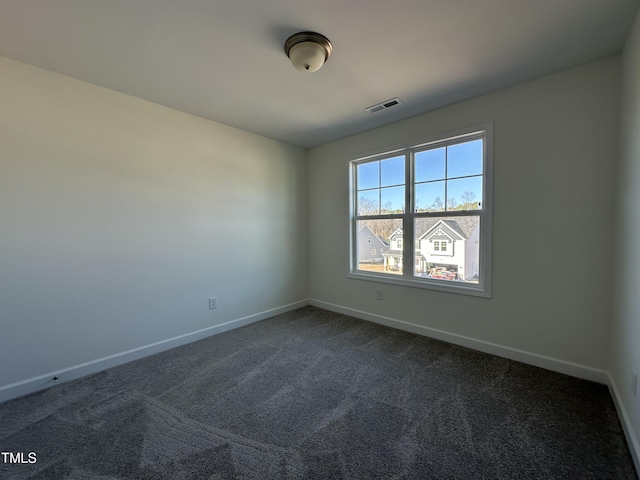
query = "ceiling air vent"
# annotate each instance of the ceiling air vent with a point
(378, 107)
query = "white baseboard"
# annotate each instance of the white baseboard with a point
(549, 363)
(41, 382)
(632, 440)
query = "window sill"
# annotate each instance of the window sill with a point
(448, 286)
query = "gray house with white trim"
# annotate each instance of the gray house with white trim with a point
(446, 248)
(370, 246)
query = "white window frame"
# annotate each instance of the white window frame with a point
(408, 149)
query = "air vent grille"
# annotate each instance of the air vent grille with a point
(378, 107)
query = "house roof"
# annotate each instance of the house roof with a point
(371, 232)
(463, 226)
(397, 231)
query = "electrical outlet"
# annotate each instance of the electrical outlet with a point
(213, 303)
(378, 294)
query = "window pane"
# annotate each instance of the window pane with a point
(464, 159)
(392, 171)
(464, 194)
(429, 165)
(369, 202)
(436, 188)
(448, 248)
(392, 199)
(386, 240)
(430, 197)
(368, 175)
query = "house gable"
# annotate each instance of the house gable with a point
(444, 229)
(370, 246)
(396, 234)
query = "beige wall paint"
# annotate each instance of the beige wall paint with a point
(554, 165)
(119, 218)
(625, 339)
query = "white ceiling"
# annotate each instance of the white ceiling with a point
(224, 59)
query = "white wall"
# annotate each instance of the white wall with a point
(119, 218)
(554, 165)
(625, 339)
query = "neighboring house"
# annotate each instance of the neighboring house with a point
(449, 247)
(393, 256)
(445, 248)
(370, 246)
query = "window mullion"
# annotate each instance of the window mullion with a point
(446, 177)
(379, 188)
(408, 253)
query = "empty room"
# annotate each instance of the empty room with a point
(319, 240)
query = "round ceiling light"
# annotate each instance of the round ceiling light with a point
(308, 50)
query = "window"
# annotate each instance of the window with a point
(436, 193)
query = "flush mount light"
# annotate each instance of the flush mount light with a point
(308, 50)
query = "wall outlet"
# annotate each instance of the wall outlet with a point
(378, 294)
(213, 303)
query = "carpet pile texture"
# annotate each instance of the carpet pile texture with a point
(312, 394)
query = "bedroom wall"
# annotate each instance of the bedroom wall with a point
(119, 218)
(554, 169)
(625, 339)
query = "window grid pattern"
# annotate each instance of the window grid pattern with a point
(439, 183)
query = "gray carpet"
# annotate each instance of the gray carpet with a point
(317, 395)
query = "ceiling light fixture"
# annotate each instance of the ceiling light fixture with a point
(308, 50)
